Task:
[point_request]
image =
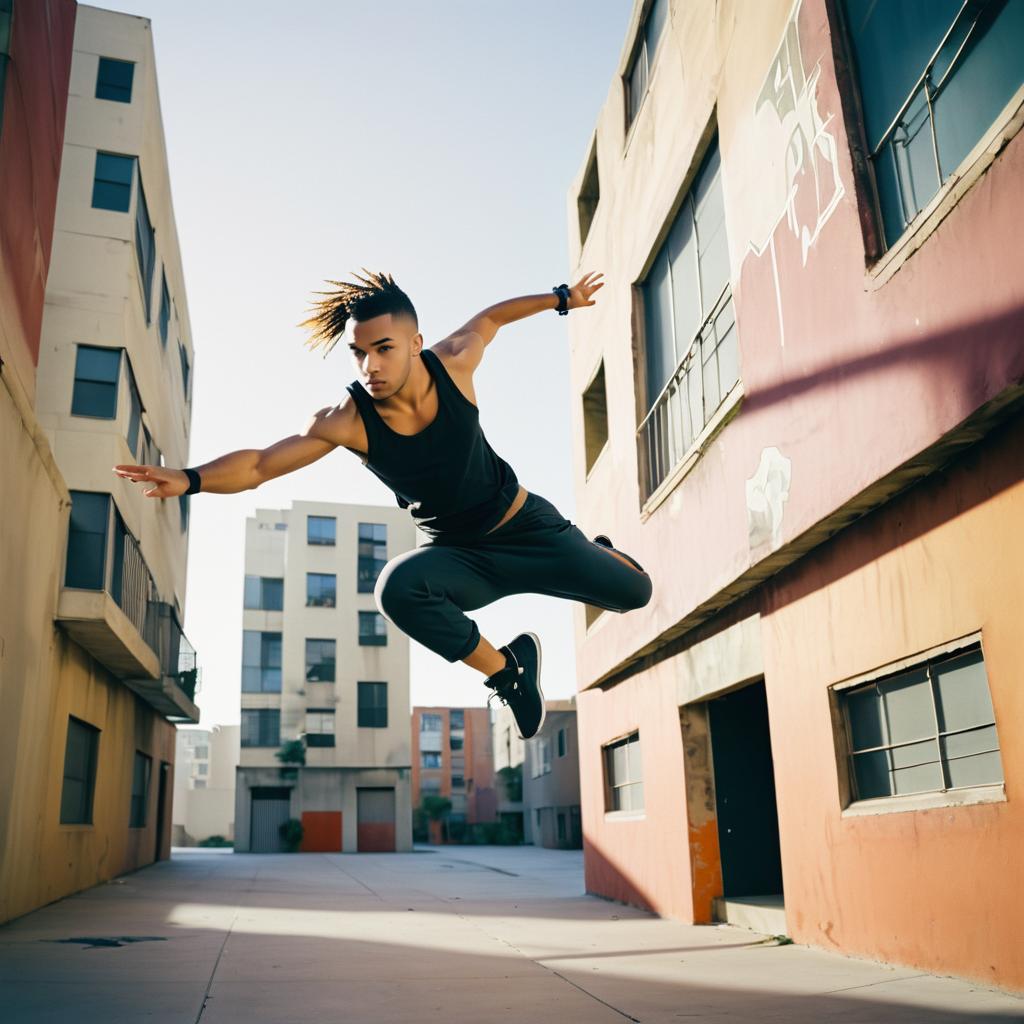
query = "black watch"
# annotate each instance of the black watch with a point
(562, 291)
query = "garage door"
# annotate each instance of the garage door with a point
(375, 820)
(270, 809)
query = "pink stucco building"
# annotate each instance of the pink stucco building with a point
(798, 405)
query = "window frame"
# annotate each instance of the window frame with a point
(319, 601)
(133, 162)
(372, 714)
(130, 87)
(86, 806)
(260, 714)
(612, 787)
(851, 806)
(379, 636)
(121, 355)
(367, 575)
(315, 538)
(138, 805)
(639, 51)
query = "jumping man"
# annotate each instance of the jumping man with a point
(412, 419)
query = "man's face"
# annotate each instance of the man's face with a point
(383, 349)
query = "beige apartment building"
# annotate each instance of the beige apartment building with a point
(95, 667)
(204, 784)
(322, 666)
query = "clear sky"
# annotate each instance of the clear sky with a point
(435, 140)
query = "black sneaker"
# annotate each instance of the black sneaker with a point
(518, 683)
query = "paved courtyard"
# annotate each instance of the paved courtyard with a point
(458, 934)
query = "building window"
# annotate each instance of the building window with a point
(320, 660)
(637, 76)
(624, 787)
(199, 783)
(87, 541)
(933, 77)
(690, 344)
(454, 742)
(140, 790)
(457, 718)
(430, 786)
(537, 813)
(373, 629)
(373, 555)
(183, 356)
(458, 782)
(264, 592)
(561, 743)
(97, 372)
(430, 723)
(561, 827)
(595, 418)
(590, 193)
(929, 728)
(165, 308)
(79, 772)
(430, 759)
(135, 410)
(114, 81)
(320, 589)
(201, 753)
(261, 727)
(373, 705)
(112, 182)
(261, 662)
(320, 727)
(145, 250)
(321, 530)
(203, 769)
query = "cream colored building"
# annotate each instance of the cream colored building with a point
(321, 665)
(95, 666)
(204, 784)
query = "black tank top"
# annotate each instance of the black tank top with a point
(447, 475)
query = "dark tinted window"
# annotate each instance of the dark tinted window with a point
(96, 377)
(79, 773)
(140, 790)
(87, 540)
(373, 705)
(114, 81)
(112, 184)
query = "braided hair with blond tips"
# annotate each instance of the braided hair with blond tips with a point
(376, 295)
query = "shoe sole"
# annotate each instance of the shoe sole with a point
(543, 709)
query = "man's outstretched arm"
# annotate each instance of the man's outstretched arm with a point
(467, 344)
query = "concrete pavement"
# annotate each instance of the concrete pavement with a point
(463, 934)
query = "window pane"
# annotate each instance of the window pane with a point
(918, 780)
(892, 43)
(637, 83)
(91, 399)
(871, 772)
(114, 80)
(273, 594)
(914, 754)
(114, 168)
(620, 764)
(976, 770)
(982, 83)
(908, 706)
(962, 692)
(87, 541)
(681, 247)
(251, 596)
(659, 343)
(656, 19)
(711, 237)
(864, 708)
(97, 364)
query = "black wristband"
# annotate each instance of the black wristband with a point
(562, 291)
(194, 480)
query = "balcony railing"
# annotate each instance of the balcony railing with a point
(682, 411)
(177, 656)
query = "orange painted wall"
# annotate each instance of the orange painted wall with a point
(936, 889)
(644, 862)
(321, 832)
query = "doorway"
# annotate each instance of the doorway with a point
(744, 778)
(375, 820)
(271, 808)
(161, 807)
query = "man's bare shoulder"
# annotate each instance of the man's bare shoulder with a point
(340, 424)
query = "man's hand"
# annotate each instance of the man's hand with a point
(166, 483)
(579, 294)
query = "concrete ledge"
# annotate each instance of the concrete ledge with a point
(763, 914)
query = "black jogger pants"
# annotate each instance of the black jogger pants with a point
(427, 591)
